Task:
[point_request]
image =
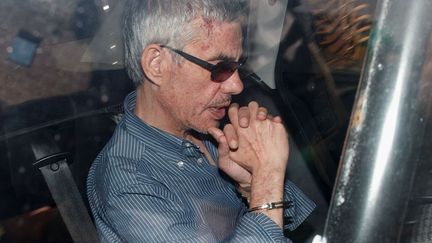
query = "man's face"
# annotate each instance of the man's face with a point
(190, 98)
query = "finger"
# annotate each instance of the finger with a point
(277, 119)
(231, 136)
(262, 113)
(233, 114)
(219, 136)
(216, 133)
(253, 108)
(244, 116)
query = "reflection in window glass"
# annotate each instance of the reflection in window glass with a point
(63, 83)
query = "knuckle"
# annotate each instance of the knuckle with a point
(244, 108)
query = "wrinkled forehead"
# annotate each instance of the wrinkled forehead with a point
(223, 39)
(209, 30)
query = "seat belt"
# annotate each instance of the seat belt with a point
(65, 193)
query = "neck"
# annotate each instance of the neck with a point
(149, 110)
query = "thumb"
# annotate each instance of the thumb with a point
(219, 136)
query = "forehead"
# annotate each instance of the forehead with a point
(215, 38)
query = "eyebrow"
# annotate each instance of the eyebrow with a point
(223, 57)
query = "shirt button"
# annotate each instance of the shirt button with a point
(188, 145)
(200, 160)
(180, 164)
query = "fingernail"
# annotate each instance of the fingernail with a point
(233, 144)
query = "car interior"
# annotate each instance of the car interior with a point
(60, 103)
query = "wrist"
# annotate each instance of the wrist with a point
(266, 187)
(268, 175)
(272, 206)
(274, 167)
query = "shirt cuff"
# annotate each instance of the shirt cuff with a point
(302, 206)
(270, 228)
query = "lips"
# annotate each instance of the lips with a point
(218, 108)
(218, 112)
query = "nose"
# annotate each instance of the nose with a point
(233, 85)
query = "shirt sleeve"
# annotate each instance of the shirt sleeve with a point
(302, 206)
(151, 213)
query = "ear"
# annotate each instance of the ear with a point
(152, 63)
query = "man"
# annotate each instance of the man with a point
(161, 178)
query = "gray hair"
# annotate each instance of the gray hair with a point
(168, 22)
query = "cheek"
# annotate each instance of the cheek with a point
(185, 103)
(200, 95)
(197, 115)
(193, 102)
(192, 93)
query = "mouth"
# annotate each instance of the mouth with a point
(218, 109)
(218, 112)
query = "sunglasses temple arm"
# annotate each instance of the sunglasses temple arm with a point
(193, 59)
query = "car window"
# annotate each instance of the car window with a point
(63, 82)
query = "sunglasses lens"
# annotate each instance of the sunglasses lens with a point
(224, 70)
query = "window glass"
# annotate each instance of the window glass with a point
(62, 85)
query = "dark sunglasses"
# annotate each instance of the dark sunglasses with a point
(219, 72)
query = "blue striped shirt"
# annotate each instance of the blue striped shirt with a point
(149, 186)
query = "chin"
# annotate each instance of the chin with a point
(203, 127)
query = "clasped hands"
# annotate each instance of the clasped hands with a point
(252, 143)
